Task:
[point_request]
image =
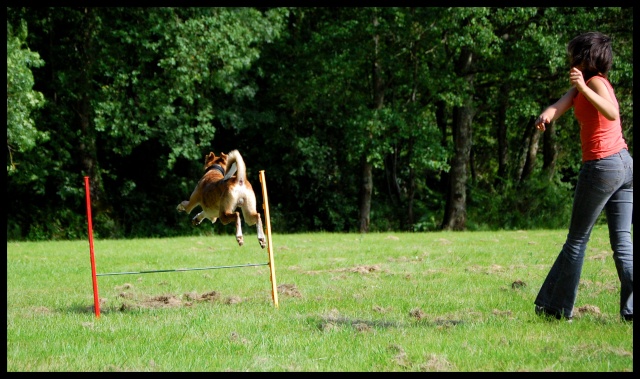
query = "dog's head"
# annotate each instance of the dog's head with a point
(211, 159)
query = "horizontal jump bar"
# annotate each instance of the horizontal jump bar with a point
(181, 269)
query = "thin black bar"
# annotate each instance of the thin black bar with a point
(182, 269)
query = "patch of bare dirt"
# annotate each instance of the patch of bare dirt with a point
(586, 283)
(233, 300)
(439, 322)
(601, 256)
(518, 284)
(417, 313)
(494, 268)
(361, 269)
(126, 295)
(436, 363)
(400, 358)
(362, 327)
(235, 337)
(586, 309)
(169, 301)
(445, 323)
(161, 301)
(364, 269)
(404, 259)
(289, 290)
(43, 310)
(328, 326)
(379, 309)
(333, 320)
(126, 286)
(91, 308)
(507, 313)
(209, 296)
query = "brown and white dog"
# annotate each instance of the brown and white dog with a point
(219, 195)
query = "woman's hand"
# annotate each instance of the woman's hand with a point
(541, 121)
(576, 79)
(557, 109)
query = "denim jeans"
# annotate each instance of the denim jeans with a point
(607, 184)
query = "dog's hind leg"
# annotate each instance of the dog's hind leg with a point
(228, 217)
(253, 218)
(239, 236)
(261, 238)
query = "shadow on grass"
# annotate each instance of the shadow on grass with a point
(84, 309)
(330, 322)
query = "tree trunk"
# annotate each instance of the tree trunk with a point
(87, 147)
(501, 133)
(410, 196)
(366, 188)
(411, 189)
(455, 217)
(550, 150)
(391, 169)
(532, 137)
(441, 120)
(365, 196)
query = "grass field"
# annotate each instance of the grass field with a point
(347, 302)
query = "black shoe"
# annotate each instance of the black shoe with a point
(542, 311)
(628, 318)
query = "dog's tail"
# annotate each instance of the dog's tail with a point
(235, 157)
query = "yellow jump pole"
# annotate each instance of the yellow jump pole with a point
(272, 268)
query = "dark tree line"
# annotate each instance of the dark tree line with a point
(364, 119)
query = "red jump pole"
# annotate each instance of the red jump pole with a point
(96, 300)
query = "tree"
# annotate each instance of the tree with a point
(131, 91)
(475, 41)
(22, 133)
(359, 81)
(171, 81)
(368, 118)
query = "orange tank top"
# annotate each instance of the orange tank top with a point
(599, 137)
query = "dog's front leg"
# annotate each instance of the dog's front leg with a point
(188, 205)
(201, 216)
(182, 207)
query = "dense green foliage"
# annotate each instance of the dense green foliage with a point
(22, 134)
(135, 97)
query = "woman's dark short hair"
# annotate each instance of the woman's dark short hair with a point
(593, 49)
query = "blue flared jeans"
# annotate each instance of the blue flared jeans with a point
(607, 184)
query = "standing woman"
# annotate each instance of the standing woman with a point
(605, 180)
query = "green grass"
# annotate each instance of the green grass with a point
(347, 302)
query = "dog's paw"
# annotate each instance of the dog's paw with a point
(240, 240)
(181, 208)
(263, 242)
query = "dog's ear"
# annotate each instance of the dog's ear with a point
(208, 159)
